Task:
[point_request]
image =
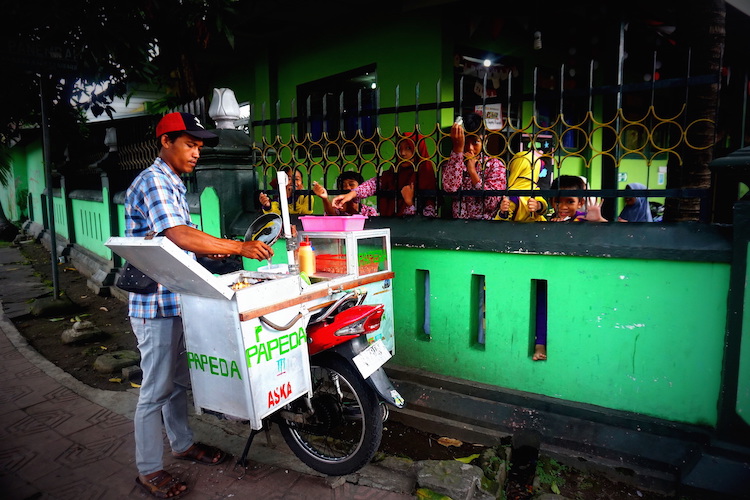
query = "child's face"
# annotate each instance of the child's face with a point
(297, 183)
(406, 150)
(566, 206)
(298, 180)
(349, 184)
(473, 145)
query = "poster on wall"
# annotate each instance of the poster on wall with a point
(493, 115)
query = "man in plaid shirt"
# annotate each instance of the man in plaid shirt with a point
(155, 202)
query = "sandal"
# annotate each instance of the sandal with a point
(162, 484)
(202, 454)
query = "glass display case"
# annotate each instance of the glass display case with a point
(356, 253)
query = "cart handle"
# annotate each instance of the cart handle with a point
(318, 294)
(273, 325)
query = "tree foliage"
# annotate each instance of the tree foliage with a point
(110, 45)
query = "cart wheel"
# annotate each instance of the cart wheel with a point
(345, 431)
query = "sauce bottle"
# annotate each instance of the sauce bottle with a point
(306, 257)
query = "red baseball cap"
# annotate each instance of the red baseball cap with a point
(185, 122)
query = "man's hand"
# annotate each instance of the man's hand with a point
(194, 240)
(256, 250)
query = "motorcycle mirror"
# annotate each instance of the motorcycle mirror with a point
(266, 228)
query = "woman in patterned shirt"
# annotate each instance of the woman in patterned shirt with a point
(468, 168)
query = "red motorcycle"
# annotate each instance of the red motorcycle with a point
(338, 430)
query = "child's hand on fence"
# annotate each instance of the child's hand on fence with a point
(505, 205)
(533, 205)
(407, 192)
(594, 211)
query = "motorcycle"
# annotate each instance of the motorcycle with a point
(338, 429)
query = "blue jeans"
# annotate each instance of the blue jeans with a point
(163, 392)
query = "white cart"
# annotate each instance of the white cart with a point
(239, 365)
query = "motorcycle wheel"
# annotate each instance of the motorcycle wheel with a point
(345, 431)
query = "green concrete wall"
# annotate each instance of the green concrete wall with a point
(63, 226)
(743, 390)
(37, 180)
(636, 335)
(17, 182)
(91, 226)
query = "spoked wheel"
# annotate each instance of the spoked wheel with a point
(344, 432)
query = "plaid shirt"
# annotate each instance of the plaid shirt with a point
(155, 201)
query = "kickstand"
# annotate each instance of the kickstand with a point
(242, 461)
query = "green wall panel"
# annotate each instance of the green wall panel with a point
(37, 178)
(60, 217)
(91, 226)
(743, 389)
(210, 216)
(635, 335)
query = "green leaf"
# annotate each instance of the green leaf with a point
(427, 494)
(467, 460)
(554, 488)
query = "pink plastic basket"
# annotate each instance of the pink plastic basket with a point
(333, 222)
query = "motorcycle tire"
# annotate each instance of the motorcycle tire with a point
(345, 431)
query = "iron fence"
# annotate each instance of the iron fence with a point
(584, 132)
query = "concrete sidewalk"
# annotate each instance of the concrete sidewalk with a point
(61, 439)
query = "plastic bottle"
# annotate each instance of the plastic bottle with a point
(306, 258)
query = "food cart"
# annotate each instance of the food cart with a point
(239, 365)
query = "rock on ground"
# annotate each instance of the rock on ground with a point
(452, 478)
(116, 361)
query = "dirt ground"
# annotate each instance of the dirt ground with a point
(110, 315)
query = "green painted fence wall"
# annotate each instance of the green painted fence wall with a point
(635, 335)
(91, 226)
(61, 216)
(36, 179)
(743, 391)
